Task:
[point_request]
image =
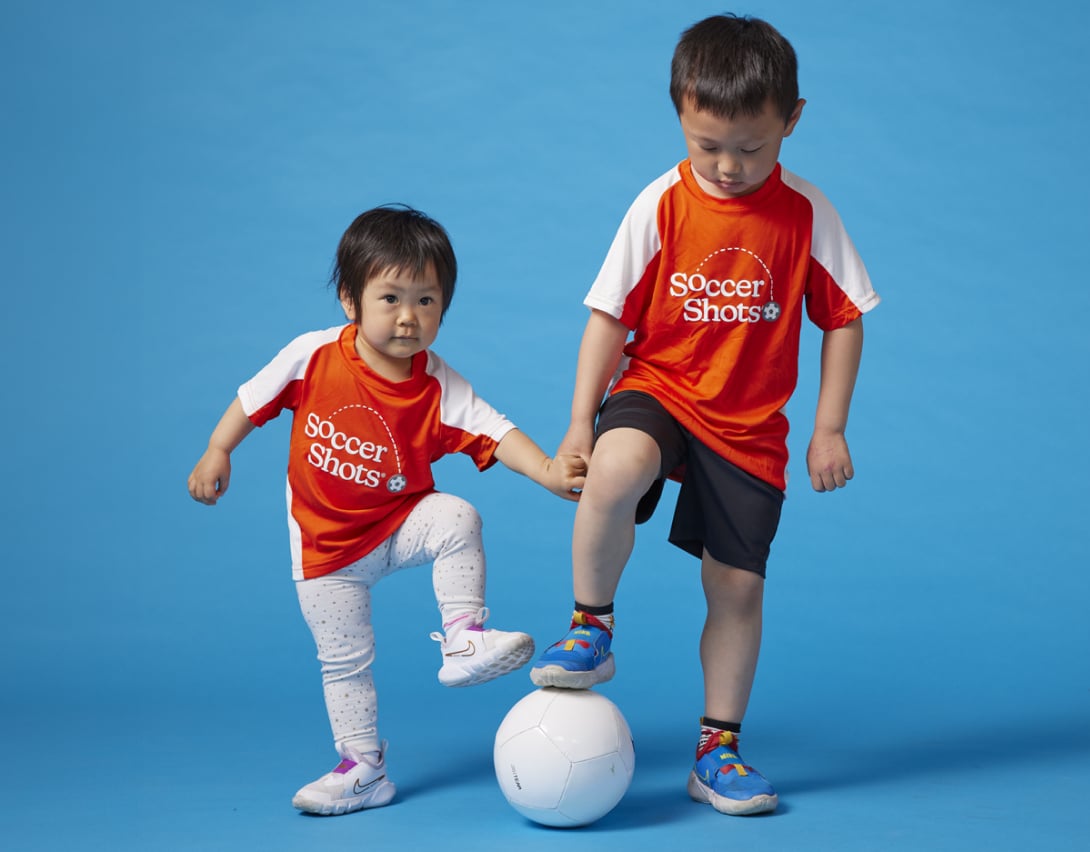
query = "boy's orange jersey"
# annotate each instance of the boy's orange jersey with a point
(714, 292)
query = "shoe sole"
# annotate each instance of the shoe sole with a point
(700, 792)
(383, 794)
(558, 676)
(513, 659)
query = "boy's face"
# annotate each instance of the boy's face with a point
(399, 316)
(732, 157)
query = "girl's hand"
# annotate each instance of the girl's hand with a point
(564, 475)
(210, 478)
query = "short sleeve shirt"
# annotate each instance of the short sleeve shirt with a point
(714, 292)
(361, 446)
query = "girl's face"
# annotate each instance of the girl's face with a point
(399, 316)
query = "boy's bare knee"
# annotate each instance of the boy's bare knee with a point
(624, 464)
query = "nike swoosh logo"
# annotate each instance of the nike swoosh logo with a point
(358, 790)
(468, 651)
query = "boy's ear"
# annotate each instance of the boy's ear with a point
(796, 114)
(349, 308)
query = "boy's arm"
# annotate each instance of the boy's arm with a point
(827, 459)
(211, 476)
(563, 475)
(599, 354)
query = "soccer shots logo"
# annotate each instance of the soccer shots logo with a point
(730, 285)
(344, 454)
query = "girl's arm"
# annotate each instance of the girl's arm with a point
(209, 479)
(827, 460)
(563, 475)
(599, 355)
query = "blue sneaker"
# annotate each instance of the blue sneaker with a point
(720, 779)
(580, 660)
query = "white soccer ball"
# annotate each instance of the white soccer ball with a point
(564, 757)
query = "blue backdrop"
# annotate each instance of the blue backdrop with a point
(176, 177)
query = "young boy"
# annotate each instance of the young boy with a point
(710, 272)
(373, 407)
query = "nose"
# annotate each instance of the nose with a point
(407, 315)
(728, 166)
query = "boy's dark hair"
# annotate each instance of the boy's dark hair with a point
(393, 236)
(729, 65)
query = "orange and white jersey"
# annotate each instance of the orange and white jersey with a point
(714, 290)
(361, 446)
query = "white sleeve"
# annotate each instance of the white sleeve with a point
(636, 244)
(833, 248)
(461, 408)
(289, 365)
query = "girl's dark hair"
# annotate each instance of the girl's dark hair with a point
(393, 236)
(729, 65)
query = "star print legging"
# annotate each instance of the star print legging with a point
(443, 530)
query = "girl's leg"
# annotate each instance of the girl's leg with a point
(337, 608)
(446, 531)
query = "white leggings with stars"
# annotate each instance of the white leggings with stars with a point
(444, 530)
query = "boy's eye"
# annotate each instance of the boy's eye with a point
(390, 299)
(427, 300)
(750, 150)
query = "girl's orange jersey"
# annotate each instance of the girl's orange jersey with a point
(361, 446)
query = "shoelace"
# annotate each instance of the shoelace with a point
(585, 619)
(464, 622)
(582, 619)
(727, 740)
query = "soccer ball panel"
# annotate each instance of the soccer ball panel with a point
(531, 771)
(564, 757)
(594, 788)
(584, 727)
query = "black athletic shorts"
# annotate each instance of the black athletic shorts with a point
(721, 508)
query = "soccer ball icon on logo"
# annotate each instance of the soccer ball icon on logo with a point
(396, 483)
(770, 312)
(564, 757)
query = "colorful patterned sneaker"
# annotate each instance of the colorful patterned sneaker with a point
(580, 660)
(473, 655)
(358, 782)
(720, 779)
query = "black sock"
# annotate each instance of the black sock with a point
(733, 727)
(595, 610)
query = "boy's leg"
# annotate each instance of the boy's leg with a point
(446, 531)
(624, 465)
(729, 647)
(728, 518)
(731, 640)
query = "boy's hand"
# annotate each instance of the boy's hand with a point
(578, 441)
(564, 475)
(828, 461)
(210, 478)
